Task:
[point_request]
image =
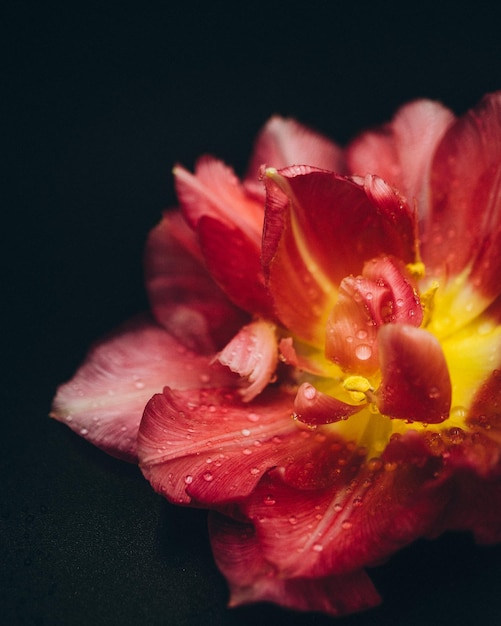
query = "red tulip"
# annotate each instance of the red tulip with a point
(321, 367)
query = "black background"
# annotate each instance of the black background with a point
(100, 102)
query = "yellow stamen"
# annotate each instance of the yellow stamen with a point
(357, 387)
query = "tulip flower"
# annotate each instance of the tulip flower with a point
(321, 366)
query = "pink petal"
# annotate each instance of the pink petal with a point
(215, 191)
(415, 382)
(283, 142)
(383, 294)
(359, 521)
(233, 260)
(401, 152)
(464, 227)
(252, 354)
(251, 579)
(211, 446)
(314, 407)
(105, 399)
(183, 295)
(319, 228)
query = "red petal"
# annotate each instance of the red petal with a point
(401, 152)
(283, 142)
(252, 354)
(183, 296)
(215, 191)
(105, 399)
(319, 228)
(314, 407)
(211, 446)
(415, 383)
(358, 522)
(382, 295)
(233, 260)
(464, 228)
(252, 579)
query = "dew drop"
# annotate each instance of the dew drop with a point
(204, 378)
(309, 392)
(84, 431)
(363, 352)
(434, 393)
(485, 328)
(361, 334)
(208, 476)
(269, 501)
(139, 384)
(317, 547)
(255, 471)
(375, 464)
(245, 432)
(188, 479)
(338, 507)
(247, 451)
(253, 417)
(293, 520)
(346, 525)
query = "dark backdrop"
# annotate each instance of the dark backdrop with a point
(100, 103)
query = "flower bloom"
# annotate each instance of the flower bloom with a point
(321, 367)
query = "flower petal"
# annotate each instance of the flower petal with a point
(358, 521)
(214, 190)
(105, 399)
(253, 354)
(251, 579)
(464, 227)
(284, 142)
(319, 228)
(183, 295)
(415, 384)
(382, 295)
(233, 260)
(401, 152)
(212, 447)
(314, 407)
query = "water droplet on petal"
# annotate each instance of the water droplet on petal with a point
(253, 417)
(375, 464)
(84, 431)
(293, 520)
(317, 547)
(346, 525)
(254, 471)
(188, 479)
(208, 476)
(309, 392)
(363, 352)
(434, 393)
(245, 432)
(269, 501)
